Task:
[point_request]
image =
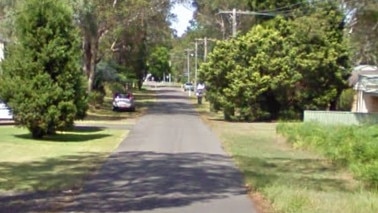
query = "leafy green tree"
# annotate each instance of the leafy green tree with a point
(323, 57)
(158, 62)
(93, 21)
(212, 23)
(7, 11)
(241, 71)
(361, 26)
(42, 80)
(138, 35)
(274, 70)
(121, 31)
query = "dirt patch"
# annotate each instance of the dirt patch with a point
(262, 205)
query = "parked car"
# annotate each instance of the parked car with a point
(188, 86)
(5, 112)
(123, 102)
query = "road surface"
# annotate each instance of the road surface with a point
(170, 162)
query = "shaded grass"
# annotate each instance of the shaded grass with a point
(57, 162)
(104, 113)
(289, 180)
(63, 161)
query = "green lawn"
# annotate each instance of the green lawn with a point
(287, 180)
(292, 180)
(54, 163)
(63, 161)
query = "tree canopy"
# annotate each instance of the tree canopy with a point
(287, 56)
(42, 80)
(274, 71)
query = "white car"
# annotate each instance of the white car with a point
(123, 102)
(5, 111)
(188, 86)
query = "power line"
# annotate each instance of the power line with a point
(272, 12)
(280, 8)
(234, 12)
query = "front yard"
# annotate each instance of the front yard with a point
(63, 161)
(284, 179)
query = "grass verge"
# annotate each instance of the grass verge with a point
(54, 163)
(287, 180)
(63, 161)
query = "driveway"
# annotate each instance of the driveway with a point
(170, 162)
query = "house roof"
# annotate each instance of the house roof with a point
(369, 71)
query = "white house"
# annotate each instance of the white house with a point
(5, 112)
(364, 80)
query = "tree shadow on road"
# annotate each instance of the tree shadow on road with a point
(132, 181)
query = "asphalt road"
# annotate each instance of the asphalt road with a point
(170, 162)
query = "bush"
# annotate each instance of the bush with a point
(346, 100)
(354, 147)
(115, 87)
(42, 81)
(96, 98)
(367, 172)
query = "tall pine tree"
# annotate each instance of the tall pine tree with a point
(42, 80)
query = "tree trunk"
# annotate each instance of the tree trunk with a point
(90, 54)
(37, 132)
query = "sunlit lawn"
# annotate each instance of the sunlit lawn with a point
(289, 180)
(64, 160)
(57, 162)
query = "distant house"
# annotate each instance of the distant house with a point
(364, 80)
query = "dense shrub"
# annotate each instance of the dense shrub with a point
(42, 80)
(346, 100)
(96, 98)
(355, 147)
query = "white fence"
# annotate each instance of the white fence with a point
(338, 117)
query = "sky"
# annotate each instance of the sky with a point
(184, 15)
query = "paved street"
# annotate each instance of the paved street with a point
(171, 162)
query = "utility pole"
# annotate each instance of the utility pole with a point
(196, 55)
(195, 63)
(205, 49)
(233, 13)
(188, 64)
(205, 42)
(234, 23)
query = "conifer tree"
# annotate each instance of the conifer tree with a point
(42, 79)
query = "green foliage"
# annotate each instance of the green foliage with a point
(352, 146)
(96, 99)
(292, 180)
(115, 87)
(54, 163)
(42, 80)
(274, 70)
(363, 32)
(346, 100)
(158, 62)
(111, 72)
